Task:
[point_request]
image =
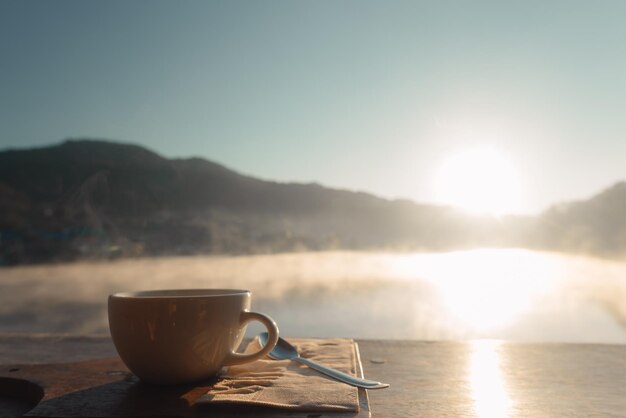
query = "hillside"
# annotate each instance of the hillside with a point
(98, 199)
(593, 226)
(101, 199)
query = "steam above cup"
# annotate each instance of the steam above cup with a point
(183, 336)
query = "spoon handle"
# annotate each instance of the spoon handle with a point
(341, 376)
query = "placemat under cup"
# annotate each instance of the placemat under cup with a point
(287, 384)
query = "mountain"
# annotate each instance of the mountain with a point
(98, 199)
(594, 226)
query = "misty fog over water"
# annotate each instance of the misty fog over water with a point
(506, 294)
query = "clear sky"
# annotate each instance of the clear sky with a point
(361, 95)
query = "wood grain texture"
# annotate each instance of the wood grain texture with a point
(437, 379)
(105, 388)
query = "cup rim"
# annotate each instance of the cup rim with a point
(178, 293)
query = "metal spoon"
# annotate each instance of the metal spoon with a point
(286, 351)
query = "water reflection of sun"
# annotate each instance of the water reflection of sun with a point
(485, 289)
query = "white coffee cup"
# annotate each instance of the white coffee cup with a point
(183, 336)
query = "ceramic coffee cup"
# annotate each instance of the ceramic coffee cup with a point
(182, 336)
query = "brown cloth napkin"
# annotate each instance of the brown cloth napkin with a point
(288, 384)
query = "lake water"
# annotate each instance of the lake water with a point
(509, 294)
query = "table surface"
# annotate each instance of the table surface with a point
(430, 379)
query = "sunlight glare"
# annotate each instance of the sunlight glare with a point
(486, 289)
(480, 180)
(488, 387)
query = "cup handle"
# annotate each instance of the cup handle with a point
(237, 358)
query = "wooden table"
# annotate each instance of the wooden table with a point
(430, 379)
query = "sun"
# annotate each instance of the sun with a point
(479, 180)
